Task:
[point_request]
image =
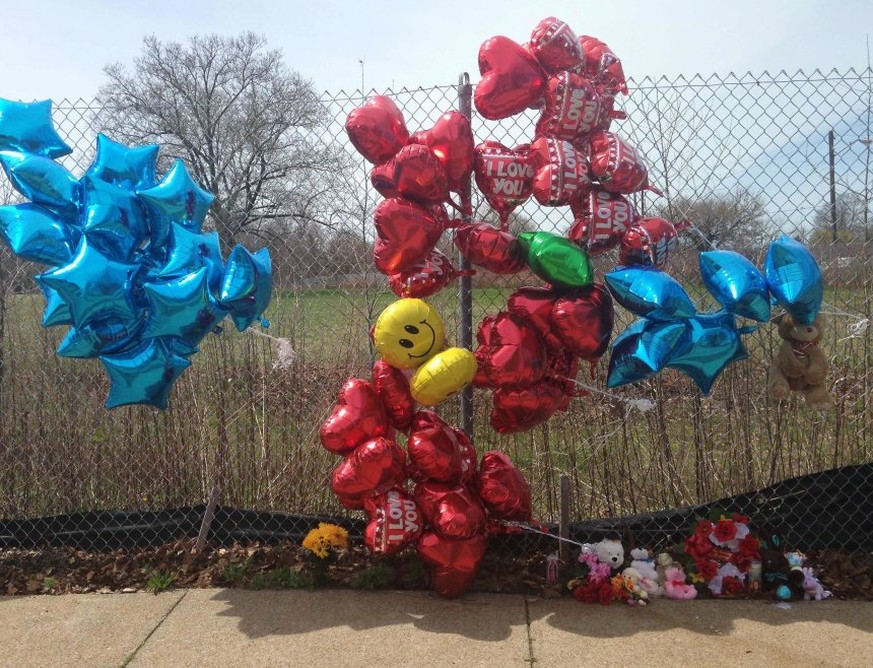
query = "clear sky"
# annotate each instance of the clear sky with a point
(57, 48)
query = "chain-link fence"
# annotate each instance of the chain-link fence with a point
(743, 158)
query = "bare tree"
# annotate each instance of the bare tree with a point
(250, 129)
(852, 220)
(735, 221)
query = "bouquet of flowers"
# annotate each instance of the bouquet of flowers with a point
(323, 543)
(722, 549)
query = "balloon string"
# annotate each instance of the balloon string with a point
(642, 405)
(526, 527)
(285, 355)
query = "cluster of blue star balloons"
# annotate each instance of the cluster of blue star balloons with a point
(132, 272)
(671, 333)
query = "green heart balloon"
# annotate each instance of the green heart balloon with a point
(556, 260)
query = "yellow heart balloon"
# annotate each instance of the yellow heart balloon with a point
(442, 375)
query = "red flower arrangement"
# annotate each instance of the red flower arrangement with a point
(722, 552)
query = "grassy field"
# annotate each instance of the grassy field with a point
(251, 431)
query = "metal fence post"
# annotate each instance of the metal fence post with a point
(832, 183)
(465, 335)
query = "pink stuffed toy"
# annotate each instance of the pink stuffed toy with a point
(812, 589)
(675, 586)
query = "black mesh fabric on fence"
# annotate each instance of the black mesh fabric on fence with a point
(744, 158)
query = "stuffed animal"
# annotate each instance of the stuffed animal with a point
(633, 583)
(645, 566)
(812, 589)
(675, 586)
(662, 562)
(610, 552)
(800, 365)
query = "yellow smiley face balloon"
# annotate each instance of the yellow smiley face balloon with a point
(408, 333)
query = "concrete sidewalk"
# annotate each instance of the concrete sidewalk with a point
(234, 627)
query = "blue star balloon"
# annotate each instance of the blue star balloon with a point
(100, 337)
(182, 307)
(118, 231)
(642, 350)
(124, 166)
(650, 293)
(95, 286)
(143, 375)
(189, 251)
(34, 233)
(56, 310)
(794, 278)
(41, 180)
(736, 283)
(246, 286)
(28, 127)
(108, 228)
(710, 343)
(176, 199)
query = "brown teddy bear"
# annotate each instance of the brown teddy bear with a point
(800, 365)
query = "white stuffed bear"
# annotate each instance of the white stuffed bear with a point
(610, 552)
(645, 566)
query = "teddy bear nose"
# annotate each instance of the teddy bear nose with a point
(808, 330)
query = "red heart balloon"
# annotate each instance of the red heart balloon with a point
(357, 417)
(395, 522)
(511, 353)
(454, 562)
(426, 277)
(406, 233)
(469, 475)
(649, 242)
(373, 468)
(452, 511)
(392, 387)
(377, 129)
(520, 409)
(382, 178)
(451, 141)
(534, 306)
(511, 81)
(503, 489)
(486, 246)
(419, 175)
(616, 165)
(602, 226)
(583, 321)
(555, 46)
(434, 451)
(572, 108)
(504, 176)
(560, 172)
(608, 112)
(602, 66)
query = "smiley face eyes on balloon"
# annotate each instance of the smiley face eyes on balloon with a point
(411, 329)
(406, 343)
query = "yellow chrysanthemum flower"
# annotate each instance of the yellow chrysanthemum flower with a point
(326, 537)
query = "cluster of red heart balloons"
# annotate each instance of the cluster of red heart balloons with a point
(529, 355)
(416, 174)
(454, 503)
(574, 159)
